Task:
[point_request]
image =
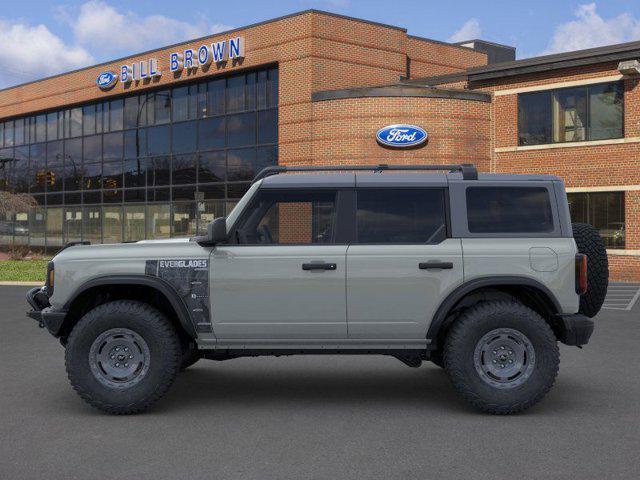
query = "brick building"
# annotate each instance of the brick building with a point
(157, 144)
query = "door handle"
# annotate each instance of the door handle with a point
(435, 265)
(319, 266)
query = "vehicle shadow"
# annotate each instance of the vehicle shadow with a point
(246, 387)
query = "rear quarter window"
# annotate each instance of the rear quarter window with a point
(509, 210)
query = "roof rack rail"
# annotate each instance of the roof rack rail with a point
(468, 170)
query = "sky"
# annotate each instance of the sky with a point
(39, 38)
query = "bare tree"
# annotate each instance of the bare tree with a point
(15, 202)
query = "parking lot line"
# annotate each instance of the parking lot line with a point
(622, 296)
(634, 300)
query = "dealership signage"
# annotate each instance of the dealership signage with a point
(401, 136)
(189, 59)
(216, 52)
(106, 80)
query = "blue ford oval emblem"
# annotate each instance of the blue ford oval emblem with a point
(106, 80)
(401, 136)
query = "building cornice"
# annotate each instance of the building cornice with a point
(400, 90)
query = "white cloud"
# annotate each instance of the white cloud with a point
(591, 30)
(98, 32)
(108, 31)
(469, 31)
(29, 52)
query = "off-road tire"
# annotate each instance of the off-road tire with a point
(590, 243)
(164, 356)
(190, 355)
(437, 359)
(474, 324)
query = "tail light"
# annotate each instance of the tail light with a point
(581, 273)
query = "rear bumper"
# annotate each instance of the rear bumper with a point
(43, 313)
(575, 329)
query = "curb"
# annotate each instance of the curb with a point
(22, 284)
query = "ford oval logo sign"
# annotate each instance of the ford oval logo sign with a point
(401, 136)
(106, 80)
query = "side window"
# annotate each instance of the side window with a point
(401, 215)
(509, 210)
(280, 218)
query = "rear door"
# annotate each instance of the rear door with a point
(401, 264)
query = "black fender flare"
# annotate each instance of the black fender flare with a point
(498, 281)
(145, 280)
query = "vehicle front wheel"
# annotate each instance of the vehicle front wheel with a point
(122, 356)
(501, 356)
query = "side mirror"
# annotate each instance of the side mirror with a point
(217, 230)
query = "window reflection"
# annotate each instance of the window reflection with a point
(184, 219)
(212, 167)
(72, 227)
(92, 224)
(112, 229)
(116, 119)
(605, 211)
(134, 223)
(592, 112)
(241, 129)
(112, 146)
(158, 224)
(211, 133)
(184, 169)
(184, 137)
(54, 227)
(158, 140)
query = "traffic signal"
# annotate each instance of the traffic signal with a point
(41, 178)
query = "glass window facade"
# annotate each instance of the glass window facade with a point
(592, 112)
(603, 210)
(150, 165)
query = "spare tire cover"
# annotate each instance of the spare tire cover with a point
(590, 243)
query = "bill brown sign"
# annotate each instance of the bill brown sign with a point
(189, 59)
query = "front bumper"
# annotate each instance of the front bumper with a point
(43, 313)
(575, 330)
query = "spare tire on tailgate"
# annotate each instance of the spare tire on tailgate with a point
(590, 243)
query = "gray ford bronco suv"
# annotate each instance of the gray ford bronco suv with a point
(480, 274)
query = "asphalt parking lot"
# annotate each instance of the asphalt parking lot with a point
(319, 418)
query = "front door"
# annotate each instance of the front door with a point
(283, 276)
(401, 265)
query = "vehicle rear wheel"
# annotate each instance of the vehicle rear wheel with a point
(122, 357)
(589, 242)
(501, 356)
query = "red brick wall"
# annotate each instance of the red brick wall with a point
(624, 268)
(429, 58)
(632, 218)
(344, 131)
